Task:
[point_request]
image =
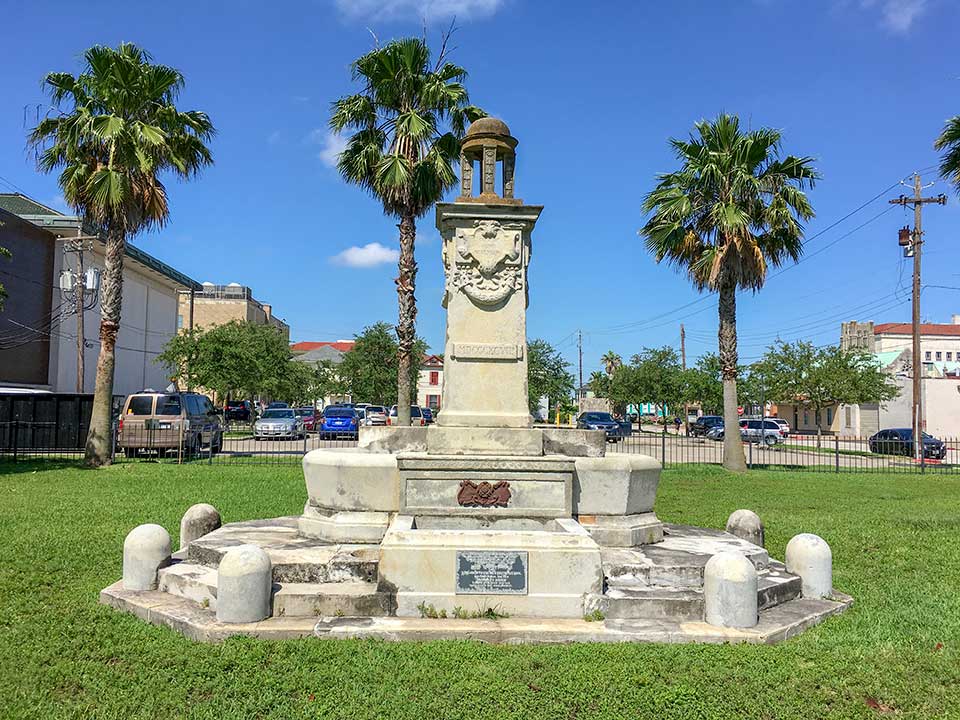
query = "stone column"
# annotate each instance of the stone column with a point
(489, 169)
(486, 251)
(509, 160)
(466, 176)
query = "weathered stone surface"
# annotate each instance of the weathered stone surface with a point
(244, 585)
(810, 557)
(351, 479)
(536, 487)
(619, 484)
(419, 565)
(342, 526)
(623, 530)
(486, 249)
(730, 591)
(573, 442)
(294, 558)
(392, 439)
(474, 441)
(746, 525)
(146, 549)
(197, 521)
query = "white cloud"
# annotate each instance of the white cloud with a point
(898, 15)
(417, 9)
(365, 256)
(274, 137)
(331, 144)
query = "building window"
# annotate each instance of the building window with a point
(949, 356)
(433, 402)
(939, 356)
(179, 322)
(434, 377)
(928, 355)
(848, 416)
(829, 416)
(806, 417)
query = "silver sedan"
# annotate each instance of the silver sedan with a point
(279, 423)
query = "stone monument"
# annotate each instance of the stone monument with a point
(483, 514)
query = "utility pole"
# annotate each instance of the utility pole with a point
(79, 293)
(580, 350)
(912, 243)
(683, 365)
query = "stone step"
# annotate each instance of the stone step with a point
(295, 559)
(348, 599)
(199, 584)
(776, 586)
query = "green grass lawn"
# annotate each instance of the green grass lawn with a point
(896, 653)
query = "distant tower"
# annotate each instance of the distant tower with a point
(857, 336)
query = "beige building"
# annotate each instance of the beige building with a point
(218, 304)
(38, 328)
(430, 382)
(939, 342)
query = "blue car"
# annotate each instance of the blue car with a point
(339, 421)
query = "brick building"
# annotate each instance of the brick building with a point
(218, 304)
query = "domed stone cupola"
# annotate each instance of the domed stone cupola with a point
(488, 142)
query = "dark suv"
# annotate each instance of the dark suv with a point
(704, 423)
(238, 411)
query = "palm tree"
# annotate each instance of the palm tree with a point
(949, 140)
(733, 209)
(402, 154)
(118, 128)
(611, 361)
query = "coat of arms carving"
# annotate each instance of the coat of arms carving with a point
(488, 262)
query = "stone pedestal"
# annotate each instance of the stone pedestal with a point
(486, 249)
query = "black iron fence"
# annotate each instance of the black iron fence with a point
(238, 443)
(828, 453)
(235, 443)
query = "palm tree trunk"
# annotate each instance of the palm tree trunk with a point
(733, 457)
(406, 316)
(99, 437)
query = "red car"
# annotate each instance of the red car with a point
(309, 417)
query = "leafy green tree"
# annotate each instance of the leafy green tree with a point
(548, 375)
(706, 377)
(653, 375)
(949, 142)
(733, 209)
(236, 358)
(599, 383)
(407, 125)
(813, 377)
(369, 370)
(117, 130)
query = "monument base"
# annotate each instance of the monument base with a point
(521, 573)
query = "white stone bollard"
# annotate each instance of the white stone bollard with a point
(146, 549)
(810, 557)
(746, 525)
(730, 591)
(197, 521)
(244, 584)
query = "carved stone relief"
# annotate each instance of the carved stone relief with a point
(488, 263)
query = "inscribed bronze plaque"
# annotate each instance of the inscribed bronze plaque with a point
(491, 572)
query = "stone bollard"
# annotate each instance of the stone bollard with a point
(244, 584)
(746, 525)
(810, 557)
(146, 549)
(730, 591)
(197, 521)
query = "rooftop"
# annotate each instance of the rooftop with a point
(307, 345)
(62, 225)
(941, 329)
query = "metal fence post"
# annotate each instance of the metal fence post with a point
(836, 451)
(16, 433)
(750, 452)
(113, 441)
(663, 444)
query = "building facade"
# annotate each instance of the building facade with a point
(47, 324)
(430, 382)
(216, 305)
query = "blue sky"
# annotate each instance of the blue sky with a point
(592, 91)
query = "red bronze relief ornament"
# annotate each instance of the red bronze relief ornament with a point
(484, 494)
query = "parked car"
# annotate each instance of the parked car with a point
(784, 426)
(705, 423)
(715, 432)
(309, 417)
(899, 441)
(158, 422)
(601, 421)
(277, 405)
(238, 411)
(339, 421)
(427, 415)
(416, 416)
(761, 431)
(375, 415)
(361, 413)
(278, 423)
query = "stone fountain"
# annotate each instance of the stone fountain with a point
(482, 525)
